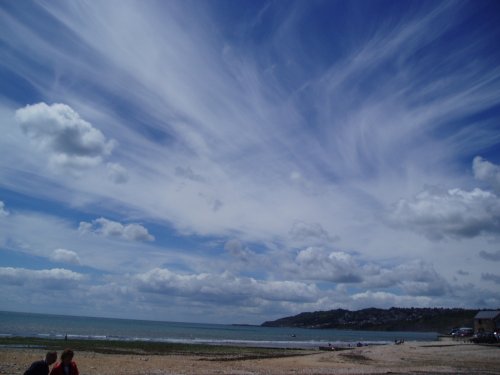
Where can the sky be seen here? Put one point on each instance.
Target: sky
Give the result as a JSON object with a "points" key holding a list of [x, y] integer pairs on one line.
{"points": [[240, 161]]}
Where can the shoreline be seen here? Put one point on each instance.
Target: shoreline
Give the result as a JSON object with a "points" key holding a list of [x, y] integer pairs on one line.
{"points": [[265, 344], [433, 357]]}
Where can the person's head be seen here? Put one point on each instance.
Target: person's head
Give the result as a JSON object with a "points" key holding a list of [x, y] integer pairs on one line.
{"points": [[67, 356], [50, 357]]}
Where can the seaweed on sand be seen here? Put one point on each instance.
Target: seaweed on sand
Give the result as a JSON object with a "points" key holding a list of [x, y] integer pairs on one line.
{"points": [[205, 352]]}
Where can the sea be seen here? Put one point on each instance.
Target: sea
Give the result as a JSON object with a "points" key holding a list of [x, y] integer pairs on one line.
{"points": [[92, 328]]}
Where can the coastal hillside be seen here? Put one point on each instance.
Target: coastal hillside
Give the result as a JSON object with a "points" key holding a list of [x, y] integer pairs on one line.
{"points": [[393, 319]]}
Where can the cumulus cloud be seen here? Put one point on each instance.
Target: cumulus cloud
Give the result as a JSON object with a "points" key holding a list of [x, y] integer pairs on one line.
{"points": [[3, 211], [451, 213], [117, 173], [57, 278], [494, 256], [316, 263], [486, 171], [109, 228], [69, 140], [65, 256], [223, 287]]}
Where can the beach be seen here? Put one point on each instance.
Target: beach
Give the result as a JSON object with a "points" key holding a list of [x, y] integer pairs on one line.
{"points": [[408, 358]]}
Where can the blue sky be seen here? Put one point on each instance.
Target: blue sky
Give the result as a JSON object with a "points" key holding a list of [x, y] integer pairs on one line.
{"points": [[239, 161]]}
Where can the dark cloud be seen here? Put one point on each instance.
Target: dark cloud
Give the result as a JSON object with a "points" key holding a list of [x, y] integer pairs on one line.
{"points": [[491, 277], [217, 205], [187, 173], [310, 234], [416, 278], [316, 263], [494, 256], [237, 250]]}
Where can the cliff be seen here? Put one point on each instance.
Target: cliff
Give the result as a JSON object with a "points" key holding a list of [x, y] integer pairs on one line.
{"points": [[394, 319]]}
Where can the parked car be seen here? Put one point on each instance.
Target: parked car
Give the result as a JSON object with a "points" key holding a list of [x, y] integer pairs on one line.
{"points": [[485, 338], [462, 332]]}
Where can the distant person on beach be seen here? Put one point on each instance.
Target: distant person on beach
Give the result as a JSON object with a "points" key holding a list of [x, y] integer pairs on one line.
{"points": [[42, 367], [66, 366]]}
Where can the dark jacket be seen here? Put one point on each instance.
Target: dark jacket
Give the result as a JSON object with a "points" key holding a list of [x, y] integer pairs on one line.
{"points": [[59, 369], [38, 368]]}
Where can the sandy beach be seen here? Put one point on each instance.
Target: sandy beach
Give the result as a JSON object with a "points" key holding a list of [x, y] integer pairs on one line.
{"points": [[408, 358]]}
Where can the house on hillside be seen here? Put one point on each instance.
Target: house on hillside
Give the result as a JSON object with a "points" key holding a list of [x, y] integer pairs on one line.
{"points": [[487, 321]]}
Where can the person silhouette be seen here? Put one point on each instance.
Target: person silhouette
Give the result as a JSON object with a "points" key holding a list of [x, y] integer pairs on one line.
{"points": [[42, 367], [66, 366]]}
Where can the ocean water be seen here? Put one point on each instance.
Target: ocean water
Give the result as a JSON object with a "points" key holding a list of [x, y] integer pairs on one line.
{"points": [[58, 326]]}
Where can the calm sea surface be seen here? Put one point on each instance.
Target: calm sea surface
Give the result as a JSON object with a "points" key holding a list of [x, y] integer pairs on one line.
{"points": [[57, 326]]}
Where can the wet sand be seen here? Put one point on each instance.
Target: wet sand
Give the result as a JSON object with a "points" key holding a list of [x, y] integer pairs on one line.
{"points": [[408, 358]]}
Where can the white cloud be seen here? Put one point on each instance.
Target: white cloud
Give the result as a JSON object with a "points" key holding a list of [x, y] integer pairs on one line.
{"points": [[453, 213], [39, 234], [109, 228], [486, 171], [223, 287], [69, 140], [65, 256], [117, 173], [3, 211], [57, 278]]}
